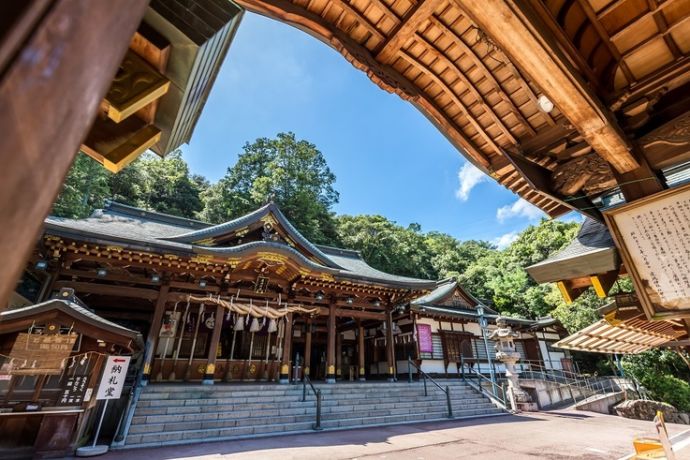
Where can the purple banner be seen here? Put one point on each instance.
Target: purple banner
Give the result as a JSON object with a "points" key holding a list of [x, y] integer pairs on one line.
{"points": [[424, 338]]}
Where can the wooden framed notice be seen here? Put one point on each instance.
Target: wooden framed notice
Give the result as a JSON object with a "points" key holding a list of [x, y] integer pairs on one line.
{"points": [[653, 237]]}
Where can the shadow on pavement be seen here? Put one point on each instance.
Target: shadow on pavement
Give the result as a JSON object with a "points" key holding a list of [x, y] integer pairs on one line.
{"points": [[359, 436]]}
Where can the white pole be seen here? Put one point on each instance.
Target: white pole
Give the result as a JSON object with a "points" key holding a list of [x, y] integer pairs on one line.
{"points": [[100, 422]]}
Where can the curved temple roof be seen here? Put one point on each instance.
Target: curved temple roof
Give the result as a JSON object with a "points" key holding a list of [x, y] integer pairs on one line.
{"points": [[146, 230]]}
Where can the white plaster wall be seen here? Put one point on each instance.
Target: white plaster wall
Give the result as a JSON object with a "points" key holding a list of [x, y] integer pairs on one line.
{"points": [[433, 323]]}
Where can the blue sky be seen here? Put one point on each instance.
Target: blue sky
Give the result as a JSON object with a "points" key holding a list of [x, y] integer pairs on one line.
{"points": [[387, 157]]}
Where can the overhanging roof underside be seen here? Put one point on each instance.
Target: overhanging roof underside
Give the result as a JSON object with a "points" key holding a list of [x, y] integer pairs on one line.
{"points": [[634, 336]]}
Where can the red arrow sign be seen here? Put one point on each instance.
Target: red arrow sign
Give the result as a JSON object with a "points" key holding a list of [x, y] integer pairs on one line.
{"points": [[116, 360]]}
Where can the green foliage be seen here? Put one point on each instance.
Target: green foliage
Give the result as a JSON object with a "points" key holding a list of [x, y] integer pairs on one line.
{"points": [[663, 373], [386, 245], [86, 188], [163, 185], [670, 389], [579, 314], [292, 173]]}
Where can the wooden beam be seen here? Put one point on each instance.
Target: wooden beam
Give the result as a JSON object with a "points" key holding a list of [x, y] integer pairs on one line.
{"points": [[359, 314], [479, 63], [360, 18], [419, 65], [478, 97], [419, 13], [48, 107], [514, 28], [603, 34], [109, 290]]}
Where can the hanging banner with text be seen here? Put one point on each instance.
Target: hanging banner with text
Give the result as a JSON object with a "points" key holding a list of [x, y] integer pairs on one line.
{"points": [[426, 345], [113, 378]]}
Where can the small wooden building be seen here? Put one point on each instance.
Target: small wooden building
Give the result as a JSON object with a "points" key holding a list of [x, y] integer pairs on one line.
{"points": [[52, 354]]}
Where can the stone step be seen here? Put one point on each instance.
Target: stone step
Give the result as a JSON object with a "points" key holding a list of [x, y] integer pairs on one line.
{"points": [[200, 435], [200, 409], [182, 387], [250, 417], [239, 432], [178, 414], [341, 392]]}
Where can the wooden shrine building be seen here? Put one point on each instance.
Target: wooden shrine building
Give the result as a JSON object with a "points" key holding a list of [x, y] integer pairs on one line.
{"points": [[51, 357], [252, 299], [568, 103]]}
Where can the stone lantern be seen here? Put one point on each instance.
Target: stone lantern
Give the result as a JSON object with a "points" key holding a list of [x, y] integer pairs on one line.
{"points": [[506, 353]]}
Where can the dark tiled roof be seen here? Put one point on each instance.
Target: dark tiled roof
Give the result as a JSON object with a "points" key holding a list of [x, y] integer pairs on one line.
{"points": [[248, 219], [591, 252], [74, 310], [144, 230]]}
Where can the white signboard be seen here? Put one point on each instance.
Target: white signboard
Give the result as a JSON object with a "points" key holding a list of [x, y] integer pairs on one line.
{"points": [[653, 235], [113, 377]]}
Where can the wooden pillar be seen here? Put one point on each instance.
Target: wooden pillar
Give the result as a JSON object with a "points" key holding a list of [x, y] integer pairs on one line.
{"points": [[287, 349], [213, 347], [330, 353], [338, 355], [154, 330], [49, 101], [360, 351], [307, 349], [390, 351]]}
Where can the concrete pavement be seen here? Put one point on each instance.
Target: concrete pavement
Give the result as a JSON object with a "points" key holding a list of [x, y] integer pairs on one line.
{"points": [[544, 435]]}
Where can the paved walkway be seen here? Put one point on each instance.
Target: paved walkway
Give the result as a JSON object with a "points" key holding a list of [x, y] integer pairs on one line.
{"points": [[549, 435]]}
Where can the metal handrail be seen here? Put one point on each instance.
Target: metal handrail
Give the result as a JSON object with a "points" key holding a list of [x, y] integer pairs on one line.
{"points": [[493, 394], [317, 392], [426, 376]]}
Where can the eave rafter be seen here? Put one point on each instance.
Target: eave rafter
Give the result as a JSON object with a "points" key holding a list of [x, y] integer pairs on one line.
{"points": [[482, 94]]}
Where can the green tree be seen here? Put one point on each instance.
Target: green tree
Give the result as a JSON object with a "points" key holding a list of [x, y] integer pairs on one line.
{"points": [[292, 173], [386, 245], [168, 186], [500, 276], [86, 187]]}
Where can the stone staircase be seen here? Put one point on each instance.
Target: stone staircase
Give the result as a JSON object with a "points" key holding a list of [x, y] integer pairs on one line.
{"points": [[180, 414]]}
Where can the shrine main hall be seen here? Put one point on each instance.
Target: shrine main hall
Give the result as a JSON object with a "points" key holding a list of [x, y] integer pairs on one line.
{"points": [[253, 300]]}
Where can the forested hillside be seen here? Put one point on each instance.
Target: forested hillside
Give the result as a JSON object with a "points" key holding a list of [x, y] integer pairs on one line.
{"points": [[294, 174]]}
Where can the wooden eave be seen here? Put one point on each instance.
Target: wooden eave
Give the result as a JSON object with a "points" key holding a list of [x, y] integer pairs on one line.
{"points": [[477, 68]]}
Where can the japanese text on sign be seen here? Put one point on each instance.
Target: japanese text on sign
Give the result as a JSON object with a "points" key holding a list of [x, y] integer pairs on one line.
{"points": [[113, 378]]}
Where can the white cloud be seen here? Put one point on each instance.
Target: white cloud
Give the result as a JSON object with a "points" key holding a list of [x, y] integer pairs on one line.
{"points": [[504, 241], [520, 208], [469, 176]]}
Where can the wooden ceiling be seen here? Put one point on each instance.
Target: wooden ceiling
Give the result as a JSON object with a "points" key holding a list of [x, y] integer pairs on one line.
{"points": [[476, 69]]}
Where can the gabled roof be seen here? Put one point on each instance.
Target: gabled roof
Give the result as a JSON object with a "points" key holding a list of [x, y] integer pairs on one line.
{"points": [[227, 228], [451, 295], [439, 303], [591, 252], [76, 311], [139, 229]]}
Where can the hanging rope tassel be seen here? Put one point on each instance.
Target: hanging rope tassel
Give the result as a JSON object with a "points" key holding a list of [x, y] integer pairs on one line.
{"points": [[255, 321]]}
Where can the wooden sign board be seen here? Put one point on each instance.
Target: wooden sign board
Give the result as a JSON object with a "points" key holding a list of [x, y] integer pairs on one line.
{"points": [[40, 354], [73, 390], [653, 237]]}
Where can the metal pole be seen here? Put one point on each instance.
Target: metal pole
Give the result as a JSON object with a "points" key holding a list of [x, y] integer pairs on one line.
{"points": [[425, 392], [317, 425], [450, 407], [488, 357], [409, 369], [100, 422]]}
